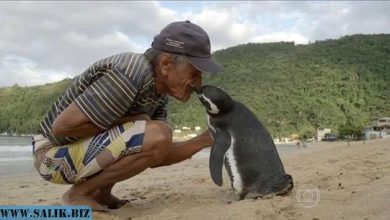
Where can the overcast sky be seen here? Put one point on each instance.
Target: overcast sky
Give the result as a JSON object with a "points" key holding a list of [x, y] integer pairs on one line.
{"points": [[43, 42]]}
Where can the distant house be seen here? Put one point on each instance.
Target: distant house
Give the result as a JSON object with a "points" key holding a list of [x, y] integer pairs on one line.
{"points": [[321, 132], [379, 128], [383, 125], [369, 133]]}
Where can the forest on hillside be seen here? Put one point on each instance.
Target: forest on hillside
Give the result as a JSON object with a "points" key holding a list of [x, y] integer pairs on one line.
{"points": [[341, 84]]}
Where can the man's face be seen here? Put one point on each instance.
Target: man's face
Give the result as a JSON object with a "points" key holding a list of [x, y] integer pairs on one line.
{"points": [[179, 79]]}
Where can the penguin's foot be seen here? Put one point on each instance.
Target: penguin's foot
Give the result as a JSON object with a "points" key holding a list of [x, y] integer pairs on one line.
{"points": [[287, 188], [268, 196]]}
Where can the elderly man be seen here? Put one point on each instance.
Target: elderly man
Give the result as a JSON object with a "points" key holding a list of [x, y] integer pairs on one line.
{"points": [[110, 124]]}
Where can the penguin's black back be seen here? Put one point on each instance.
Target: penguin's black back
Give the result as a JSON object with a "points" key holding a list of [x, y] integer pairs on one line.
{"points": [[255, 152]]}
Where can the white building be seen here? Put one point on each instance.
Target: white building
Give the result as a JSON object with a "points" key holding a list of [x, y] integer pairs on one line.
{"points": [[321, 133]]}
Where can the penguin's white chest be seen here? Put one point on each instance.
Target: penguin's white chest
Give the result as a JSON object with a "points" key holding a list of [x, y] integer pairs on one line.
{"points": [[209, 125], [236, 176]]}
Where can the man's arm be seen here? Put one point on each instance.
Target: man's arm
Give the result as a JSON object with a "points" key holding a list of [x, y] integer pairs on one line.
{"points": [[72, 122], [186, 149], [136, 117], [98, 107]]}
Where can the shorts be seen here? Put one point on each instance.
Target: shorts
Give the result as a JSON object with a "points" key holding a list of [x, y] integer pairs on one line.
{"points": [[76, 162]]}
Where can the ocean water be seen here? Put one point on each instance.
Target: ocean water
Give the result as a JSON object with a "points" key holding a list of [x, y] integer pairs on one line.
{"points": [[16, 155]]}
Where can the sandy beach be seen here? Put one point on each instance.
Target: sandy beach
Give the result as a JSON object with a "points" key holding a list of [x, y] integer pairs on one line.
{"points": [[332, 181]]}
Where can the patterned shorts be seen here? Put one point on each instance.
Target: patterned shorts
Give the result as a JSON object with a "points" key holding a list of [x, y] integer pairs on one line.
{"points": [[76, 162]]}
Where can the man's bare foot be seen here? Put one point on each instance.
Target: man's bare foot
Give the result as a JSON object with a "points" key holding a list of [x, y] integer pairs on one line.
{"points": [[68, 199], [111, 201], [116, 203]]}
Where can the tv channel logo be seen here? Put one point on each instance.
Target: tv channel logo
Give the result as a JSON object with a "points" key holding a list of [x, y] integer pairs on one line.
{"points": [[308, 196]]}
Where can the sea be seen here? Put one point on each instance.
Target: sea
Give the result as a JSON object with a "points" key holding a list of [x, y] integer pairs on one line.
{"points": [[16, 155]]}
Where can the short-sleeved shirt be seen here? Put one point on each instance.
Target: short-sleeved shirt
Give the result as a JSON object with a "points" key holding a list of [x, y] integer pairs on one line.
{"points": [[117, 86]]}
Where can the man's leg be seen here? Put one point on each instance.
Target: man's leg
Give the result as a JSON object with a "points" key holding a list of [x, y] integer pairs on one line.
{"points": [[156, 145], [177, 153]]}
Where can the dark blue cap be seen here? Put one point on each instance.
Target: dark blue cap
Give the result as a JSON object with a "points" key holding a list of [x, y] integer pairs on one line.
{"points": [[189, 40]]}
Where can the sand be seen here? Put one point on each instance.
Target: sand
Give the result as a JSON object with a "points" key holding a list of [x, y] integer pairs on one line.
{"points": [[332, 181]]}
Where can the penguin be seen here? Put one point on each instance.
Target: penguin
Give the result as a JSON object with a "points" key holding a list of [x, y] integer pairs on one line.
{"points": [[244, 146]]}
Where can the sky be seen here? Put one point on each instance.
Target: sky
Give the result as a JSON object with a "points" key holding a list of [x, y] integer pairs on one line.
{"points": [[43, 42]]}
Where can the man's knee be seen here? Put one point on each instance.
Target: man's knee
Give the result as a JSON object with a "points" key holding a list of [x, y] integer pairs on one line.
{"points": [[157, 140]]}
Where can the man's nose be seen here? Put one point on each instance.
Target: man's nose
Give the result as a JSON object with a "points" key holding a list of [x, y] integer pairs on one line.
{"points": [[195, 88], [197, 80]]}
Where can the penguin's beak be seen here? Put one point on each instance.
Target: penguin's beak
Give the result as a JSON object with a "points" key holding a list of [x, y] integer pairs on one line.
{"points": [[195, 89]]}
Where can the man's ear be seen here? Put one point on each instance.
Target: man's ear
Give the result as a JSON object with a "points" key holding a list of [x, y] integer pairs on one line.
{"points": [[165, 63]]}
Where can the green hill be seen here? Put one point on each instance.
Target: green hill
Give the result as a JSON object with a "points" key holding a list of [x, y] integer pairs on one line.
{"points": [[291, 88], [22, 108]]}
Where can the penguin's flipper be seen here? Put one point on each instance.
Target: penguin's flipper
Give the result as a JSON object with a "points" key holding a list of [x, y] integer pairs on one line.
{"points": [[217, 155]]}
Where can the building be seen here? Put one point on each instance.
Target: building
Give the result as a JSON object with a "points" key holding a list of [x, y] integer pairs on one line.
{"points": [[379, 128], [369, 133], [321, 132], [382, 125]]}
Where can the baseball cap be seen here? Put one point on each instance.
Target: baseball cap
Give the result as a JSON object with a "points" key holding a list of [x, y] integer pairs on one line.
{"points": [[189, 40]]}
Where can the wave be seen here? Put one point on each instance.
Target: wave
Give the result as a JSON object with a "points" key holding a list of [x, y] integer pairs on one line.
{"points": [[17, 148], [7, 159]]}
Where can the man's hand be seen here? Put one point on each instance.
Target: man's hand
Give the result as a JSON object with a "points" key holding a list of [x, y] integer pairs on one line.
{"points": [[206, 138]]}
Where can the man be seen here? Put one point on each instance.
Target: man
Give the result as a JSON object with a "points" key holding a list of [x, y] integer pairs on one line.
{"points": [[110, 125]]}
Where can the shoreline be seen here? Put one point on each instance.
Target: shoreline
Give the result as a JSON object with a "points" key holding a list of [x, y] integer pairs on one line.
{"points": [[352, 181], [25, 167], [20, 161]]}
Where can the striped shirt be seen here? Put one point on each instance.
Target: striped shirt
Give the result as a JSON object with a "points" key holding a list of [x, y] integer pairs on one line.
{"points": [[117, 86]]}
